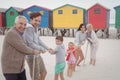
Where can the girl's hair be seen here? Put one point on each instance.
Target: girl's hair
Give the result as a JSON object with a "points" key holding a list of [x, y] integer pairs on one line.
{"points": [[80, 26], [34, 15], [59, 38], [71, 43]]}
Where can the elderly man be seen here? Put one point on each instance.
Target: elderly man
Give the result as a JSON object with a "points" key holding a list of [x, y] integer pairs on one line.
{"points": [[14, 51]]}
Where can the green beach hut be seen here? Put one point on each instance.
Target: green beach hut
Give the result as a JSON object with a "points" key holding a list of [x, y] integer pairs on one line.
{"points": [[117, 17], [11, 13]]}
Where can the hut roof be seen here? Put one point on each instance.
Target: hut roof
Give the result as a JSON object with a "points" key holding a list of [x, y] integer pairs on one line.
{"points": [[16, 8], [117, 7], [99, 5], [68, 5], [36, 6], [2, 9]]}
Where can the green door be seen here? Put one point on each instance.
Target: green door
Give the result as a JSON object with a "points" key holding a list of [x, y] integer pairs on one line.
{"points": [[117, 19], [10, 17]]}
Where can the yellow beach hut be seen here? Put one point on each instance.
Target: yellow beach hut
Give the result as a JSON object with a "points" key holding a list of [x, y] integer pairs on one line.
{"points": [[68, 16]]}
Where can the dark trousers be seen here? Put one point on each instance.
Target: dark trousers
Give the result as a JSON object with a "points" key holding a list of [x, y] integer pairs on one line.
{"points": [[15, 76]]}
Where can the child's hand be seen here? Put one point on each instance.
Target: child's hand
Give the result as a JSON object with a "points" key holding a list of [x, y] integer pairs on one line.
{"points": [[76, 47], [43, 51], [51, 51]]}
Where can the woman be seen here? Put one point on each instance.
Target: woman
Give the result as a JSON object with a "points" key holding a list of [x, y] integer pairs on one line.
{"points": [[79, 41], [32, 40], [93, 40]]}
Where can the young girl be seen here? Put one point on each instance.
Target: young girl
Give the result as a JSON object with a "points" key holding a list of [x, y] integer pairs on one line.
{"points": [[92, 38], [71, 59]]}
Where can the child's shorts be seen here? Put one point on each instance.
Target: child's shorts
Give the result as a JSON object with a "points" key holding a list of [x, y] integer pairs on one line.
{"points": [[59, 67], [71, 61]]}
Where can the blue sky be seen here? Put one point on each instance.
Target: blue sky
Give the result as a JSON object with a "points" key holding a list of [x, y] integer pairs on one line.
{"points": [[52, 4]]}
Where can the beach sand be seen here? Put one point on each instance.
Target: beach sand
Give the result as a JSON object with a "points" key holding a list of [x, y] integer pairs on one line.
{"points": [[107, 65]]}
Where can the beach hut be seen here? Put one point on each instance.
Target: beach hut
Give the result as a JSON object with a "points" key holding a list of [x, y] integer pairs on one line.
{"points": [[11, 14], [117, 17], [99, 16], [68, 16], [2, 17], [46, 15]]}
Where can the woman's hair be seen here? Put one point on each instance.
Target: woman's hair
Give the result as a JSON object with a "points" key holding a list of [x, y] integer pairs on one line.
{"points": [[89, 25], [59, 38], [80, 26], [34, 15]]}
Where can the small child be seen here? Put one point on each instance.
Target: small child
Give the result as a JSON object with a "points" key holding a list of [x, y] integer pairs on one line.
{"points": [[71, 59], [60, 58]]}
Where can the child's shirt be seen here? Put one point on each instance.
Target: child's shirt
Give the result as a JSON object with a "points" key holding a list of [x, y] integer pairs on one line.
{"points": [[60, 53], [70, 52]]}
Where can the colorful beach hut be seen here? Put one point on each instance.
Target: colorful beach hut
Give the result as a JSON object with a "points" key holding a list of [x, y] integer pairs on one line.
{"points": [[117, 16], [99, 16], [46, 13], [11, 14], [68, 16], [2, 17]]}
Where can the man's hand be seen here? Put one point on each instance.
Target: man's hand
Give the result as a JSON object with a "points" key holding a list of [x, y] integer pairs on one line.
{"points": [[36, 51], [82, 43], [88, 39]]}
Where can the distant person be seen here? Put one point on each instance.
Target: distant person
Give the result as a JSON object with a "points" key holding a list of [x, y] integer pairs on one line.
{"points": [[71, 59], [60, 53], [93, 40], [14, 51], [6, 30], [80, 38], [33, 40]]}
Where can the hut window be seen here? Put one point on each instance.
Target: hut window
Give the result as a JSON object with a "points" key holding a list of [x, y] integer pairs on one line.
{"points": [[97, 11], [11, 13], [60, 11], [74, 11]]}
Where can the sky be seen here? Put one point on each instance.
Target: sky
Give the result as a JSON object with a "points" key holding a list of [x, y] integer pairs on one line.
{"points": [[52, 4]]}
